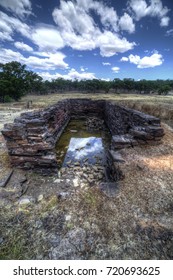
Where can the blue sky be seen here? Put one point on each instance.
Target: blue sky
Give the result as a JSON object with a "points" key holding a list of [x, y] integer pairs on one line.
{"points": [[86, 39]]}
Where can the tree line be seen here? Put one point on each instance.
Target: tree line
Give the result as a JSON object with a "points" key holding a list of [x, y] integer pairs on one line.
{"points": [[16, 81]]}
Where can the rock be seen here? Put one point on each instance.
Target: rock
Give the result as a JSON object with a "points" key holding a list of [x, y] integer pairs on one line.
{"points": [[38, 224], [68, 217], [54, 239], [24, 201], [122, 141], [76, 182], [110, 189], [116, 156], [63, 195], [95, 168], [71, 246], [57, 181], [40, 198]]}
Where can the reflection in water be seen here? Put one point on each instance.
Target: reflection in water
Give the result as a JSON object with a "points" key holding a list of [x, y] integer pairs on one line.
{"points": [[80, 146], [84, 150]]}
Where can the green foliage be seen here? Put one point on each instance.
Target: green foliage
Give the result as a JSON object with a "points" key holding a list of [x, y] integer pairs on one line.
{"points": [[164, 89], [7, 99], [15, 81]]}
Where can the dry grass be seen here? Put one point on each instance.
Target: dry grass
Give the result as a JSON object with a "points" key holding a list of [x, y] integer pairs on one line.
{"points": [[159, 106]]}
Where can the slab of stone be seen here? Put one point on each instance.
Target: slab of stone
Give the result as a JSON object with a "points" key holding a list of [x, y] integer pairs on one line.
{"points": [[110, 189], [122, 141], [116, 156]]}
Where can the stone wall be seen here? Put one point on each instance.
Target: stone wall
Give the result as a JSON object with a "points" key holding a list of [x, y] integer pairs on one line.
{"points": [[86, 107], [31, 139]]}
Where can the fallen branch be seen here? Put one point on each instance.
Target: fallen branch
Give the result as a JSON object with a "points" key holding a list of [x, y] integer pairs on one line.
{"points": [[3, 184]]}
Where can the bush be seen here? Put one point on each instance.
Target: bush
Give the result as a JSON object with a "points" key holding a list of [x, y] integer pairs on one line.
{"points": [[7, 99]]}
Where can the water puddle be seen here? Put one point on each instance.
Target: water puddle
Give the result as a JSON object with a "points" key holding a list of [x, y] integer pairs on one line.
{"points": [[83, 143]]}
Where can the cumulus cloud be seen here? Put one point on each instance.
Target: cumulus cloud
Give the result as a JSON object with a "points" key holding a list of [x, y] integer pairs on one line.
{"points": [[72, 75], [19, 8], [79, 30], [164, 21], [115, 69], [76, 28], [23, 47], [124, 58], [110, 44], [126, 23], [108, 16], [154, 60], [47, 38], [154, 9], [47, 61]]}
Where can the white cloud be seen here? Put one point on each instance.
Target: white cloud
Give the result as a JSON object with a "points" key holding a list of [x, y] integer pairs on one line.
{"points": [[126, 23], [72, 75], [164, 21], [169, 32], [79, 30], [47, 38], [83, 69], [124, 58], [23, 47], [115, 69], [110, 44], [10, 25], [76, 28], [5, 36], [7, 55], [154, 9], [106, 63], [108, 16], [19, 7], [47, 61], [154, 60]]}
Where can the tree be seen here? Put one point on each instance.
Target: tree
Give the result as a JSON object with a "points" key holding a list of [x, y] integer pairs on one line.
{"points": [[164, 89], [15, 80], [117, 84]]}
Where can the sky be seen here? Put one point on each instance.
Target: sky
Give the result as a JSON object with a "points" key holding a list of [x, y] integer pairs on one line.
{"points": [[88, 39]]}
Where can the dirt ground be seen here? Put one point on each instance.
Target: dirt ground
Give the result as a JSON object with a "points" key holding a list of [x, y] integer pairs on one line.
{"points": [[41, 218]]}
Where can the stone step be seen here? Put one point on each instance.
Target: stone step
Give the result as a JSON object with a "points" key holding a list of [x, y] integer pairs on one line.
{"points": [[123, 141], [147, 133], [116, 156]]}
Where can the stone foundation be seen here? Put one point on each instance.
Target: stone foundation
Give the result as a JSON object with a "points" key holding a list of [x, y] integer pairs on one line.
{"points": [[31, 139]]}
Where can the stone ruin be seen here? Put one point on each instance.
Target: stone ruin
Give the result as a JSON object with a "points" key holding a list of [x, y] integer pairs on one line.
{"points": [[32, 138]]}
